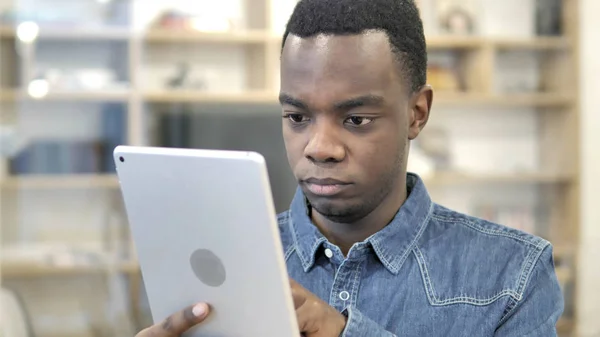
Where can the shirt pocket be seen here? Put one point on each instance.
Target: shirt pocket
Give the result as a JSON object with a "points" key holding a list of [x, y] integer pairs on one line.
{"points": [[457, 279]]}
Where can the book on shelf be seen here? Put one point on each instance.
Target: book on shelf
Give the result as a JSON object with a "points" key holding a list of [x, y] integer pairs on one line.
{"points": [[66, 156], [548, 17], [57, 157], [114, 133], [175, 127]]}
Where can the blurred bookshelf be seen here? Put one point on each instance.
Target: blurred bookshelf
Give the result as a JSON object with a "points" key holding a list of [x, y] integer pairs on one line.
{"points": [[146, 74]]}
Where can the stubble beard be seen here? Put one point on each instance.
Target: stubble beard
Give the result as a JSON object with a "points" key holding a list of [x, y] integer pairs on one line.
{"points": [[353, 211]]}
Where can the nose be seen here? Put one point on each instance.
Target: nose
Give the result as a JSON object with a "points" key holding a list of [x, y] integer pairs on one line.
{"points": [[324, 145]]}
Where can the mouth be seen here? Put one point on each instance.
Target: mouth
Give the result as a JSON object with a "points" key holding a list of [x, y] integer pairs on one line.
{"points": [[325, 187]]}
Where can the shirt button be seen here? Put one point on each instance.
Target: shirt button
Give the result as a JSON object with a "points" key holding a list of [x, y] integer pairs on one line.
{"points": [[328, 253], [344, 295]]}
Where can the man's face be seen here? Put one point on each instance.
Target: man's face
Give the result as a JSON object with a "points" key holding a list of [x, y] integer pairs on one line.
{"points": [[347, 121]]}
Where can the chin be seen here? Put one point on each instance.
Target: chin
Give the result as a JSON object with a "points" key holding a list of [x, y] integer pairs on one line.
{"points": [[337, 210]]}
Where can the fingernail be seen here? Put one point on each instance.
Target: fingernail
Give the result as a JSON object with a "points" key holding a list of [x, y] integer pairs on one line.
{"points": [[200, 310]]}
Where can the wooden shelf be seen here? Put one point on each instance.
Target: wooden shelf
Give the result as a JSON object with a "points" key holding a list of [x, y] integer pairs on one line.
{"points": [[13, 95], [564, 275], [266, 97], [85, 33], [58, 182], [565, 326], [508, 100], [453, 42], [537, 43], [16, 270], [80, 33], [131, 267], [540, 43], [173, 35], [458, 178], [440, 99], [263, 36], [203, 97], [7, 31], [8, 95]]}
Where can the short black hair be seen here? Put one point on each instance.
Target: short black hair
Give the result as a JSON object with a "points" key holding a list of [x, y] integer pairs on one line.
{"points": [[399, 19]]}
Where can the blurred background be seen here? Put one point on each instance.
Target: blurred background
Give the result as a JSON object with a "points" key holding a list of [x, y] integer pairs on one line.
{"points": [[512, 138]]}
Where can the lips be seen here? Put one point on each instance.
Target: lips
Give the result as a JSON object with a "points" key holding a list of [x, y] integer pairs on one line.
{"points": [[325, 187]]}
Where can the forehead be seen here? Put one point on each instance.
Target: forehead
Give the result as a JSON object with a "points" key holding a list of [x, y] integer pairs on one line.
{"points": [[336, 66]]}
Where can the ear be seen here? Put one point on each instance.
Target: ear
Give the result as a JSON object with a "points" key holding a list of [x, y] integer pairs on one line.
{"points": [[420, 108]]}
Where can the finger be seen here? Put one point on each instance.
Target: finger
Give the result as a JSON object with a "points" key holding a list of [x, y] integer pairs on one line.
{"points": [[305, 315], [178, 323], [298, 294]]}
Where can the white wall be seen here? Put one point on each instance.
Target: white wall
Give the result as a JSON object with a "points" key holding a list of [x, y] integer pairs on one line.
{"points": [[589, 271]]}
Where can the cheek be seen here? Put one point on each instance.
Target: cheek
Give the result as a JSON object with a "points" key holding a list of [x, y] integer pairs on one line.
{"points": [[378, 157], [374, 160], [293, 147]]}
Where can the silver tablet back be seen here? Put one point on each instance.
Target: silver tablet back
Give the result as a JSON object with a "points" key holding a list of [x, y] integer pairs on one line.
{"points": [[205, 230]]}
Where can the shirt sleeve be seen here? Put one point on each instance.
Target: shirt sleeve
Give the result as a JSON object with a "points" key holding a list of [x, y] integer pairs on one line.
{"points": [[542, 304], [360, 326]]}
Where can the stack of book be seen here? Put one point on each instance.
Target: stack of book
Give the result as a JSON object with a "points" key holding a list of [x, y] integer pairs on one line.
{"points": [[74, 156]]}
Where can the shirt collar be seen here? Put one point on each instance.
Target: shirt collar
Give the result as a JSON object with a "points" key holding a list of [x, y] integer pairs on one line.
{"points": [[392, 244]]}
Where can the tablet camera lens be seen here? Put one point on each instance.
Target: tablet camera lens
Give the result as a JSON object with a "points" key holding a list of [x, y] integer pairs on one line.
{"points": [[122, 159]]}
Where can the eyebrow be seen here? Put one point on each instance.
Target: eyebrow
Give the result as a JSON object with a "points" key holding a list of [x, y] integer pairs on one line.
{"points": [[289, 100], [365, 100]]}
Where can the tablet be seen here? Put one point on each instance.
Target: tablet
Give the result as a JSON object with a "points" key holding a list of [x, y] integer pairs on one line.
{"points": [[205, 230]]}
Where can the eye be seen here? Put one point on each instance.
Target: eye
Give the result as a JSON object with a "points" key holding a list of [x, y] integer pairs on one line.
{"points": [[359, 121], [296, 118]]}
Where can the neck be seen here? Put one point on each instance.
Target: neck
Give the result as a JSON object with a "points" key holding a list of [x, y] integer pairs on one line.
{"points": [[344, 235]]}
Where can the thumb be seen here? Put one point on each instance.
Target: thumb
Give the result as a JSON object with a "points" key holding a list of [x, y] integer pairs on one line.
{"points": [[298, 294]]}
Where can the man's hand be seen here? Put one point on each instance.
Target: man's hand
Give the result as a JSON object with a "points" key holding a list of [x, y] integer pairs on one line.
{"points": [[315, 317], [178, 323]]}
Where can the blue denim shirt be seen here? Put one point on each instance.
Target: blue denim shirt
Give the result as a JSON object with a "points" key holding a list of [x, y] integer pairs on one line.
{"points": [[430, 272]]}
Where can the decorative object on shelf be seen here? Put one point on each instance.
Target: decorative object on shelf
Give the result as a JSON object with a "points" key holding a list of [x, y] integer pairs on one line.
{"points": [[519, 74], [456, 17], [457, 22], [181, 76], [548, 17], [182, 79], [174, 19], [80, 80], [170, 19]]}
